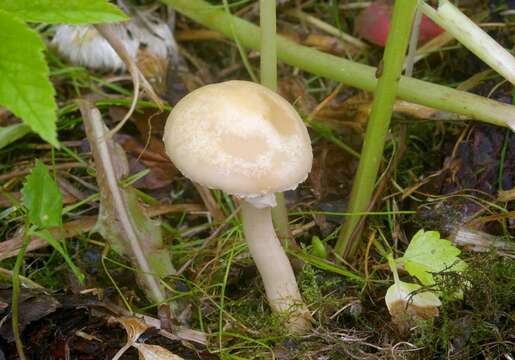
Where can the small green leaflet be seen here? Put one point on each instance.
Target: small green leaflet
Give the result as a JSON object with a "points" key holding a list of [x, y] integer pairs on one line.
{"points": [[11, 133], [24, 85], [427, 254], [318, 248], [42, 198], [47, 235], [64, 11]]}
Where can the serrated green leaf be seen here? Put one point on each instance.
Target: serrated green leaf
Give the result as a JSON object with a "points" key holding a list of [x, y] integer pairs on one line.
{"points": [[427, 254], [24, 85], [64, 11], [47, 235], [42, 198]]}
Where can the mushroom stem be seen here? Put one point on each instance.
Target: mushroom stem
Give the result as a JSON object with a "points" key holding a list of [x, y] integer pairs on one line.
{"points": [[274, 267]]}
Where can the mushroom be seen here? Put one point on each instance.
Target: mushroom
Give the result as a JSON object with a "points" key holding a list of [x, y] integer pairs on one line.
{"points": [[248, 141]]}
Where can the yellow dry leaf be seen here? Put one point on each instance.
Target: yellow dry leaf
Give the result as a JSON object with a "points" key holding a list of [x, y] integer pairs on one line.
{"points": [[154, 352], [134, 328]]}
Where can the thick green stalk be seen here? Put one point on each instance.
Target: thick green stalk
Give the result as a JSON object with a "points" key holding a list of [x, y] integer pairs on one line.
{"points": [[268, 64], [349, 72], [268, 44], [280, 219], [378, 123], [267, 23]]}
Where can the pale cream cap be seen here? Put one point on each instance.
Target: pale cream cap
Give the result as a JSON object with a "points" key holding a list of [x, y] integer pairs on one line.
{"points": [[240, 137]]}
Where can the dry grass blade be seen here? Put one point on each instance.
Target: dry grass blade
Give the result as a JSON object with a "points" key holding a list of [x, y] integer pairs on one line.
{"points": [[136, 75], [507, 195]]}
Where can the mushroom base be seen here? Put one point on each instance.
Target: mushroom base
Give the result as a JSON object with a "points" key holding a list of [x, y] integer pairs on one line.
{"points": [[274, 267]]}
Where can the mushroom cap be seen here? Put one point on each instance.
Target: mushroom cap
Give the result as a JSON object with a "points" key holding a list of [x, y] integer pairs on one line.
{"points": [[240, 137]]}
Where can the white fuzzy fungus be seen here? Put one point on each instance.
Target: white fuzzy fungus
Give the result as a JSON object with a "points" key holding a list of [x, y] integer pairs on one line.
{"points": [[83, 45]]}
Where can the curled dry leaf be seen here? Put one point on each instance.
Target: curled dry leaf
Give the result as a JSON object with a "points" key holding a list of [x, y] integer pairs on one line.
{"points": [[134, 328], [155, 352], [404, 303], [132, 325]]}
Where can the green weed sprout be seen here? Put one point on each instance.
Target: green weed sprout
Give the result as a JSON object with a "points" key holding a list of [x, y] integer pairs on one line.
{"points": [[425, 256], [378, 124]]}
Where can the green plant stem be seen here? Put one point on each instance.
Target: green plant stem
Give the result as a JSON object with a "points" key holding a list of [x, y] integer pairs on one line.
{"points": [[349, 72], [269, 79], [222, 300], [241, 50], [268, 44], [280, 220], [393, 267], [378, 123], [16, 294]]}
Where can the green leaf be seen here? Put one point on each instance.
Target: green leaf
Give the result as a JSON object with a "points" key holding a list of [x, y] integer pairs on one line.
{"points": [[427, 254], [11, 133], [42, 198], [318, 248], [64, 11], [47, 235], [24, 85]]}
